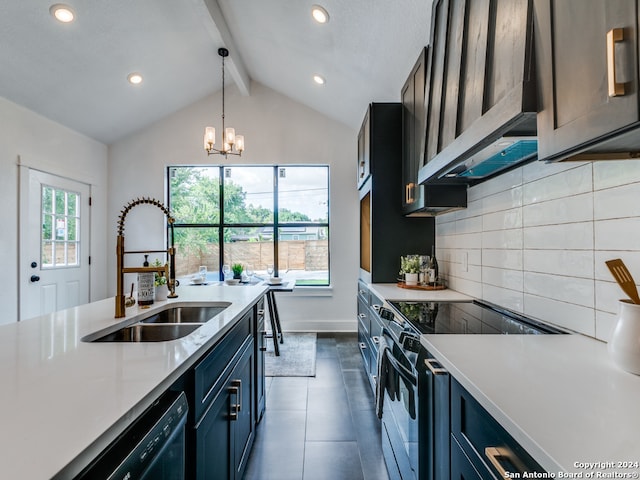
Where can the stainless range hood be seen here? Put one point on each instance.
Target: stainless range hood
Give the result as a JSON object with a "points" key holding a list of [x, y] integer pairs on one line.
{"points": [[504, 153], [500, 149]]}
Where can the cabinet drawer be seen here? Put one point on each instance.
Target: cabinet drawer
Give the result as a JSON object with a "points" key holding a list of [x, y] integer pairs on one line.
{"points": [[483, 440], [209, 372], [363, 316], [363, 292]]}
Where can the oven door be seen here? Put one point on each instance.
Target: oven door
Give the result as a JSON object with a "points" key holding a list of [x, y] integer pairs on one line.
{"points": [[400, 416]]}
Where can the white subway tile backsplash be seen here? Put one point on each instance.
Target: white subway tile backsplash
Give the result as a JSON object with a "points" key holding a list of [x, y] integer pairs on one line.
{"points": [[613, 173], [577, 263], [570, 236], [608, 296], [469, 225], [536, 238], [605, 323], [537, 170], [511, 299], [502, 239], [511, 198], [568, 182], [616, 202], [621, 234], [501, 183], [630, 259], [567, 315], [503, 220], [558, 287], [511, 259], [502, 277], [578, 208]]}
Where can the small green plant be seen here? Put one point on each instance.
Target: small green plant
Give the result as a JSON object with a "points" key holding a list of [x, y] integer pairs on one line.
{"points": [[409, 264], [159, 278], [236, 268]]}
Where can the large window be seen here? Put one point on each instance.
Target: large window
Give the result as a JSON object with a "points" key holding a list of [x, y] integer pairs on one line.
{"points": [[259, 216]]}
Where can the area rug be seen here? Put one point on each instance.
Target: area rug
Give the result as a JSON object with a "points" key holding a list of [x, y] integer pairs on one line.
{"points": [[297, 356]]}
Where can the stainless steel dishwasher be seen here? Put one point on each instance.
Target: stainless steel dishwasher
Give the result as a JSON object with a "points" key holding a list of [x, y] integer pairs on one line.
{"points": [[153, 447]]}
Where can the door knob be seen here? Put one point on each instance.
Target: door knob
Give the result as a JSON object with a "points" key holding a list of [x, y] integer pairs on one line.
{"points": [[34, 278]]}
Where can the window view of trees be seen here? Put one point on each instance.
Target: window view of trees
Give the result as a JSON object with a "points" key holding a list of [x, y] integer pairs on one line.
{"points": [[227, 215]]}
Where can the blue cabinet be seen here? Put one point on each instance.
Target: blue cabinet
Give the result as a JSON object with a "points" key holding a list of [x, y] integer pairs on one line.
{"points": [[489, 448]]}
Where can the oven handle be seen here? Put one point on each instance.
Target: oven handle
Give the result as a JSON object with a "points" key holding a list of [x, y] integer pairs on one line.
{"points": [[403, 371]]}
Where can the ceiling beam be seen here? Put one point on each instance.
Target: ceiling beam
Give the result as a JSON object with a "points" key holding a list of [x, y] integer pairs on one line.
{"points": [[218, 29]]}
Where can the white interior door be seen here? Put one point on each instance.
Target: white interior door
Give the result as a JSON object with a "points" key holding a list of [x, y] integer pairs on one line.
{"points": [[54, 243]]}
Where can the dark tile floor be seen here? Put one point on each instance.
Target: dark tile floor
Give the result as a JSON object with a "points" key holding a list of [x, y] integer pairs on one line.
{"points": [[322, 427]]}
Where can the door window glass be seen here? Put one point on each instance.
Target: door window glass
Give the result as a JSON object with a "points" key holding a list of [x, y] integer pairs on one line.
{"points": [[59, 238]]}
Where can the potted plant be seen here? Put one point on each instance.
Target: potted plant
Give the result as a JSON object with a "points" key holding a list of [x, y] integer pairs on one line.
{"points": [[410, 268], [160, 282], [236, 268]]}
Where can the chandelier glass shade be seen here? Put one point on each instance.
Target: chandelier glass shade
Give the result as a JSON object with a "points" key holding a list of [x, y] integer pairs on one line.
{"points": [[232, 144]]}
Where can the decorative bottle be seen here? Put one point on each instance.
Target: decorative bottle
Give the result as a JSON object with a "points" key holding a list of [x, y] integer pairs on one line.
{"points": [[433, 266], [146, 286]]}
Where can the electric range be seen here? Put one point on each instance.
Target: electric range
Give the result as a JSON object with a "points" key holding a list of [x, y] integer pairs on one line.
{"points": [[411, 384], [474, 317]]}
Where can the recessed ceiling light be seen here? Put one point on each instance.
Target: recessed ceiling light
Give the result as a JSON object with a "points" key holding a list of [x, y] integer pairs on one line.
{"points": [[319, 14], [134, 78], [61, 12], [319, 79]]}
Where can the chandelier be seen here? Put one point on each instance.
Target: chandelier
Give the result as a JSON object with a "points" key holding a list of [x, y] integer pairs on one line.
{"points": [[232, 144]]}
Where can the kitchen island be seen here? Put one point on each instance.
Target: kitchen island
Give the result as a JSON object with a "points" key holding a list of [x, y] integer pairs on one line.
{"points": [[64, 400]]}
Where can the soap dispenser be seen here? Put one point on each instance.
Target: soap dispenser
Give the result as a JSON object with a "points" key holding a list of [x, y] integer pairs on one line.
{"points": [[146, 286]]}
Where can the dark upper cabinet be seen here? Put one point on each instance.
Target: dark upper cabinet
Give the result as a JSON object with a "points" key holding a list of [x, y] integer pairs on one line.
{"points": [[385, 234], [413, 138], [481, 93], [364, 148], [587, 63], [420, 200]]}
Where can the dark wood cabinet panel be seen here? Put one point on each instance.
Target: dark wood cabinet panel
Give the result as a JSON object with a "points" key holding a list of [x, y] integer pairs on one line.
{"points": [[413, 134], [364, 149], [385, 234], [473, 64], [455, 33], [436, 78], [577, 111]]}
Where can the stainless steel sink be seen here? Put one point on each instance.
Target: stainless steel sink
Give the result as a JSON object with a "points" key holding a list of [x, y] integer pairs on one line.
{"points": [[169, 324], [186, 314], [149, 333]]}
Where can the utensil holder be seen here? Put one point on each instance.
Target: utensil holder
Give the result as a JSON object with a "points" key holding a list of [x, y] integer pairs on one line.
{"points": [[624, 346]]}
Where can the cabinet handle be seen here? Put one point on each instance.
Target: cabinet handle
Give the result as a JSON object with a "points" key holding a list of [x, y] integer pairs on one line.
{"points": [[362, 346], [263, 349], [376, 307], [233, 414], [261, 312], [376, 340], [237, 384], [614, 36], [408, 193], [361, 315], [494, 454], [435, 370]]}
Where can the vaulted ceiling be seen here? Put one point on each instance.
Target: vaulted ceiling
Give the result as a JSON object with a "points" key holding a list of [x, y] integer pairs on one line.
{"points": [[76, 73]]}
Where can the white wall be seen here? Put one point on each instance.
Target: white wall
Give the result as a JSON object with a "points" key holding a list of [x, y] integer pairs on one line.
{"points": [[45, 145], [535, 240], [277, 130]]}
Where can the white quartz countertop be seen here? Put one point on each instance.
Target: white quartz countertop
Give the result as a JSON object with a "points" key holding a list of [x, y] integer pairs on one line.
{"points": [[559, 396], [62, 398], [391, 291]]}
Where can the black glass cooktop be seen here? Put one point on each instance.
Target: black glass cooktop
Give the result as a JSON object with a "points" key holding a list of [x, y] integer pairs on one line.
{"points": [[467, 317]]}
